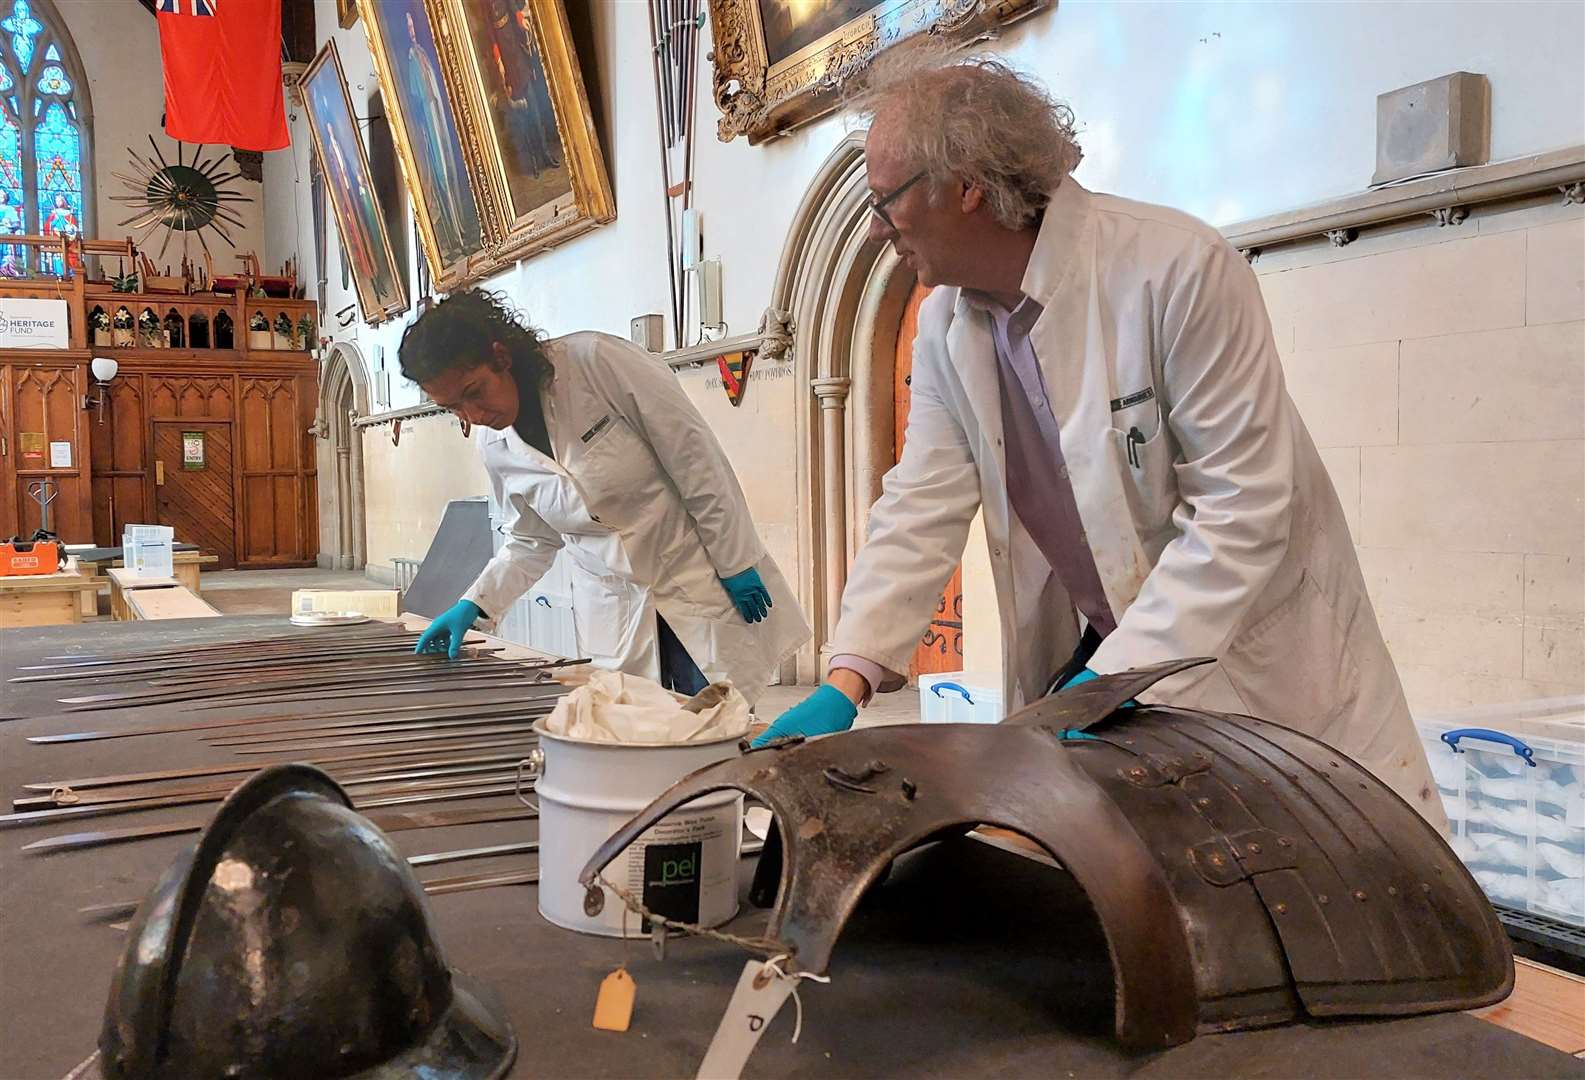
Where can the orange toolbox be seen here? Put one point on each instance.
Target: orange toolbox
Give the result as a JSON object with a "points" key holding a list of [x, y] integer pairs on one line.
{"points": [[20, 557]]}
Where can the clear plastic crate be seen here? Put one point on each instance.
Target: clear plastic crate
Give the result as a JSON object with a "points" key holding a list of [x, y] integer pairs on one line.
{"points": [[1516, 804], [960, 697], [148, 550]]}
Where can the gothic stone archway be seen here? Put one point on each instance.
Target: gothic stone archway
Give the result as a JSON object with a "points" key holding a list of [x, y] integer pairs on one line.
{"points": [[845, 294], [343, 397]]}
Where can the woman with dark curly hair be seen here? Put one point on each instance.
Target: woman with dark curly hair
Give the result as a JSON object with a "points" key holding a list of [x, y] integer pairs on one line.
{"points": [[594, 449]]}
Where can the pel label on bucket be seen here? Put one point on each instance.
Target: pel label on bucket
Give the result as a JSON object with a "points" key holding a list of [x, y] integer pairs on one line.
{"points": [[671, 881], [685, 867]]}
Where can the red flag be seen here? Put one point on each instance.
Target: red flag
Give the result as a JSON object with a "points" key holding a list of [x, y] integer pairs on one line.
{"points": [[223, 72]]}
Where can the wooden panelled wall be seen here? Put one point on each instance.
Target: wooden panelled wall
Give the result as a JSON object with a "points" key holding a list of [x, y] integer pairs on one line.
{"points": [[265, 416], [260, 415], [43, 401]]}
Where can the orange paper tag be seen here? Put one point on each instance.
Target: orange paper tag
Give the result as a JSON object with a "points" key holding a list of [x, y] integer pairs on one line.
{"points": [[613, 1006]]}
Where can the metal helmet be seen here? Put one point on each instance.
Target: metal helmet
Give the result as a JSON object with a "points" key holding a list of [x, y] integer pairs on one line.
{"points": [[293, 940]]}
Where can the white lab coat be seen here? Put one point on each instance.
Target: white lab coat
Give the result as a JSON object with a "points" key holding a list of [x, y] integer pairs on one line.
{"points": [[646, 506], [1226, 539]]}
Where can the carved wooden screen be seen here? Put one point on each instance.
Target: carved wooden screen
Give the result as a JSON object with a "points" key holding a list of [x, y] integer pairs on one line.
{"points": [[190, 397]]}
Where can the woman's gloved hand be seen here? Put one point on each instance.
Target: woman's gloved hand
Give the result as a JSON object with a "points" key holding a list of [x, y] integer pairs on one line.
{"points": [[823, 712], [748, 594], [445, 634]]}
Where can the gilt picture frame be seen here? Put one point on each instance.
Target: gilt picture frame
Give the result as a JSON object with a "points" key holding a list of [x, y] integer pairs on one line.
{"points": [[422, 112], [525, 110], [380, 285], [779, 64]]}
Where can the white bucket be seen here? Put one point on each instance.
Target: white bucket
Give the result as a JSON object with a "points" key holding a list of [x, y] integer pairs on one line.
{"points": [[684, 867]]}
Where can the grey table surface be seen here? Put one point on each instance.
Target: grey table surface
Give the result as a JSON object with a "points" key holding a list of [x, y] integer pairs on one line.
{"points": [[968, 961]]}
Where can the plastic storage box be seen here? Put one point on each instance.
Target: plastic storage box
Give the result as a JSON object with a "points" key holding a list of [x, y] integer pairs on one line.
{"points": [[960, 697], [1516, 801], [550, 623], [147, 550]]}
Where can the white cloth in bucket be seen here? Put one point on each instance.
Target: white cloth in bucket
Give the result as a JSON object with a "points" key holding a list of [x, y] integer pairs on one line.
{"points": [[615, 707]]}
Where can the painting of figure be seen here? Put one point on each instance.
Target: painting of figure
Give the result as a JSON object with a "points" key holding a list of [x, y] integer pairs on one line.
{"points": [[350, 189], [777, 62], [508, 55], [425, 130], [515, 69], [791, 25]]}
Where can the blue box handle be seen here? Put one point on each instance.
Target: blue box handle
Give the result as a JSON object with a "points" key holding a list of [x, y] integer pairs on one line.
{"points": [[940, 686], [1519, 745]]}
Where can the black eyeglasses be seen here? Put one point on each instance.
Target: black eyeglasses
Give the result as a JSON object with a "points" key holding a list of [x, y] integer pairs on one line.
{"points": [[878, 203]]}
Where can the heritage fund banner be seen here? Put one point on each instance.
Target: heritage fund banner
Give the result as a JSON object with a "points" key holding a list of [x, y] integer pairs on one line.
{"points": [[33, 324], [222, 61]]}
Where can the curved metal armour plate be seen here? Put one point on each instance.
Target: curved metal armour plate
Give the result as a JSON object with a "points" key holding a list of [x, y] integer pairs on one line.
{"points": [[293, 940], [1243, 874]]}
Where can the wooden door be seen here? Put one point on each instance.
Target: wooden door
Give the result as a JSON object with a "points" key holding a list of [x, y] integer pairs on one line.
{"points": [[278, 500], [941, 648], [47, 442], [120, 459], [9, 525], [193, 485]]}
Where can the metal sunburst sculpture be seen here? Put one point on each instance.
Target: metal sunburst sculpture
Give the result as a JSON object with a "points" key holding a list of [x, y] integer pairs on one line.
{"points": [[185, 198]]}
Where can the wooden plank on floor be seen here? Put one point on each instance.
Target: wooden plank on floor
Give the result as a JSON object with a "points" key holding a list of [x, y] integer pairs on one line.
{"points": [[126, 579], [1547, 1005], [172, 602]]}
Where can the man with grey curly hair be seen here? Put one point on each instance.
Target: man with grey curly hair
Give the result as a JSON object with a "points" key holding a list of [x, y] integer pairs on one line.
{"points": [[1099, 377]]}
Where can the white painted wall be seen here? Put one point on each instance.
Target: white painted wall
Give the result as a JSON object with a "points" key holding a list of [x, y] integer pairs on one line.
{"points": [[119, 44], [1441, 373], [1227, 110]]}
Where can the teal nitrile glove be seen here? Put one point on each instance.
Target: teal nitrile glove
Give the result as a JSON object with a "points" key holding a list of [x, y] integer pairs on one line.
{"points": [[749, 593], [445, 634], [1083, 677], [823, 712]]}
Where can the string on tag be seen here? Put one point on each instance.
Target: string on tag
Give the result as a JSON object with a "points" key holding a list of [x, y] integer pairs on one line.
{"points": [[613, 1004], [775, 965], [624, 936], [765, 946]]}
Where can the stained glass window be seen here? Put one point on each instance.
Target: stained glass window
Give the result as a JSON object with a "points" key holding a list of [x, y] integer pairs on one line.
{"points": [[24, 32], [54, 81], [41, 132], [11, 196], [57, 150]]}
